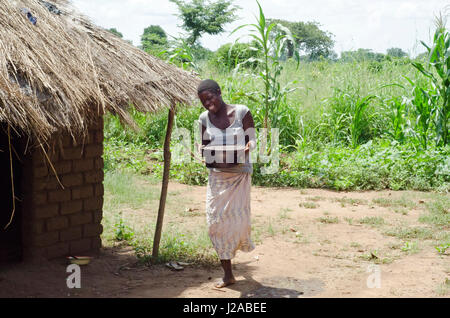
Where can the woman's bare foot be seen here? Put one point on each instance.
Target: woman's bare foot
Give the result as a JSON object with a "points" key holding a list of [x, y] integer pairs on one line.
{"points": [[225, 282]]}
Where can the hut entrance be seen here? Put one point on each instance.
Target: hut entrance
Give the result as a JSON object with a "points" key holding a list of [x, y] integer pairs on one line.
{"points": [[11, 237]]}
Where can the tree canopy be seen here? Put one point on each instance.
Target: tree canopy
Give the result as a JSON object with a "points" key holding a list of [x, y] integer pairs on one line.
{"points": [[309, 38], [396, 52], [153, 39], [361, 55], [115, 32], [205, 16]]}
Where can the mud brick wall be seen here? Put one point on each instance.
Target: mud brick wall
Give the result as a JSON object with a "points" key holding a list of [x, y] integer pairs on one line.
{"points": [[65, 221]]}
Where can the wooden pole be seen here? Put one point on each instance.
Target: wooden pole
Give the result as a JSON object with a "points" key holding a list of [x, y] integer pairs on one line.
{"points": [[165, 182]]}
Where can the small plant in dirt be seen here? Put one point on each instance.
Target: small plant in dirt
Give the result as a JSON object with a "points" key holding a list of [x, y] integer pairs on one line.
{"points": [[349, 220], [344, 201], [439, 212], [410, 247], [374, 256], [123, 232], [309, 205], [400, 210], [328, 219], [394, 246], [444, 288], [284, 213], [411, 233], [271, 229], [402, 202], [442, 248], [355, 245], [372, 220], [316, 198]]}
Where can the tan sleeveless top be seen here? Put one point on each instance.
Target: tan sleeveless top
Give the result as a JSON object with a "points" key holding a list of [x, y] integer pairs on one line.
{"points": [[221, 136]]}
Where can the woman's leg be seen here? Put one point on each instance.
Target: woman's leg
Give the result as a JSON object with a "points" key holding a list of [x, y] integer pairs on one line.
{"points": [[228, 278]]}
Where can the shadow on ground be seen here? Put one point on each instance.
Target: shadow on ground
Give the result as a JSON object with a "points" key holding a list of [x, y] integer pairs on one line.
{"points": [[115, 272]]}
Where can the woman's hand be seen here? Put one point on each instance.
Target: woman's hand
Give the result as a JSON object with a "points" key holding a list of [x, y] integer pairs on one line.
{"points": [[250, 146]]}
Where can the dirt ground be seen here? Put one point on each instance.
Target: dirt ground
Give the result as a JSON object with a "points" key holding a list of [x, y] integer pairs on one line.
{"points": [[311, 243]]}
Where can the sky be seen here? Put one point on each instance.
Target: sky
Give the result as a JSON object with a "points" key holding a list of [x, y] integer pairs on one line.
{"points": [[369, 24]]}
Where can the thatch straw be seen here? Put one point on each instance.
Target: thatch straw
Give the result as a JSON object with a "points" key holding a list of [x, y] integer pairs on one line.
{"points": [[65, 71]]}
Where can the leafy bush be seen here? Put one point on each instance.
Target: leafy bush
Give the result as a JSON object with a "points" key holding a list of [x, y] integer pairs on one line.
{"points": [[230, 55]]}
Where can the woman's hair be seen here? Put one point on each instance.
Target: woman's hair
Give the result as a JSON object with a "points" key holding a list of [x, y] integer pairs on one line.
{"points": [[209, 85]]}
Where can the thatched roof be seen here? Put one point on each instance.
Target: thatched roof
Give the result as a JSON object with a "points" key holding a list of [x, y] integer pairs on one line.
{"points": [[64, 71]]}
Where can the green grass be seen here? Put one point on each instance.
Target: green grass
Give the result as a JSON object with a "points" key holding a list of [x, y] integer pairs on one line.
{"points": [[404, 202], [411, 233], [127, 191], [328, 220], [284, 213], [187, 246], [319, 147], [309, 205], [410, 247], [344, 201], [375, 257], [442, 248], [349, 220], [439, 212], [355, 245], [374, 220], [122, 188], [270, 228], [444, 288], [316, 198]]}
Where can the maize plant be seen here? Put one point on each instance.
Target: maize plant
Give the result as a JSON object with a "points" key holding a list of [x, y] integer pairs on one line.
{"points": [[439, 59]]}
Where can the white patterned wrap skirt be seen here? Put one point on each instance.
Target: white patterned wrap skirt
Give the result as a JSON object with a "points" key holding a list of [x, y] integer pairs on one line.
{"points": [[228, 212]]}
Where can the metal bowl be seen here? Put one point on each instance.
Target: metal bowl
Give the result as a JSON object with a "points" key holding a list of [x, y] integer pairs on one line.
{"points": [[79, 260]]}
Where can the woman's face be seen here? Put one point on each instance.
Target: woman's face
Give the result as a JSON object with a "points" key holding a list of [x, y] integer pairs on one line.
{"points": [[212, 101]]}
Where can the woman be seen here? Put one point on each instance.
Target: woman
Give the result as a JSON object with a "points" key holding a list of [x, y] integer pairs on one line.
{"points": [[228, 190]]}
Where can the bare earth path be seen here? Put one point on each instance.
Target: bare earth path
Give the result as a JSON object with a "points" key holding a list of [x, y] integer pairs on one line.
{"points": [[310, 243]]}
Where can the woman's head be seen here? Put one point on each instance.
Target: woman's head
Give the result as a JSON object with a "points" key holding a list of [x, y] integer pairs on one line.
{"points": [[210, 95]]}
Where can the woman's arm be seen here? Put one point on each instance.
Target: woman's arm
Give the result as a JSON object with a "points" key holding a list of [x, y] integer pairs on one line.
{"points": [[249, 130], [205, 142]]}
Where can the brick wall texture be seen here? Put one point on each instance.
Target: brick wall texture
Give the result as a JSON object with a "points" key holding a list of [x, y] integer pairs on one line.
{"points": [[63, 217]]}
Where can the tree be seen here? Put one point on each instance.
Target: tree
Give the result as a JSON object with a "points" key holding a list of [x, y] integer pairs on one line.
{"points": [[396, 52], [118, 34], [229, 55], [154, 39], [309, 38], [115, 32], [361, 55], [205, 16]]}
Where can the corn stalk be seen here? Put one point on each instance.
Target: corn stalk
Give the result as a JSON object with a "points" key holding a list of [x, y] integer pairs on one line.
{"points": [[439, 59], [271, 46]]}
